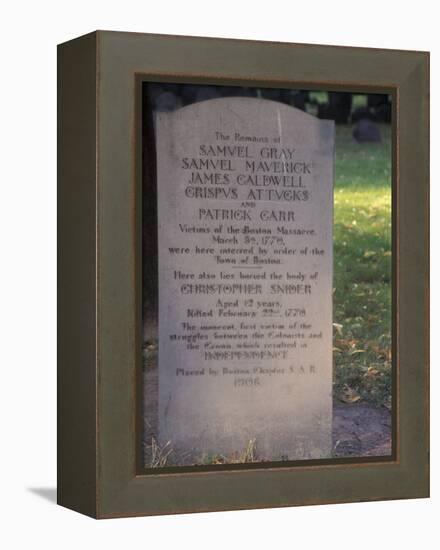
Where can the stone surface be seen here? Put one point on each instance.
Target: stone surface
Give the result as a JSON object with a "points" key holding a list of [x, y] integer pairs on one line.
{"points": [[359, 429], [245, 206], [367, 131]]}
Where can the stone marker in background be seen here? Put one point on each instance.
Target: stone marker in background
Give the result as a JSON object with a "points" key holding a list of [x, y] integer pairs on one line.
{"points": [[245, 208]]}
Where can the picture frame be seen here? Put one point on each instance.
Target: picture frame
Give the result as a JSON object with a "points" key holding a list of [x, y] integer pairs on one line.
{"points": [[99, 311]]}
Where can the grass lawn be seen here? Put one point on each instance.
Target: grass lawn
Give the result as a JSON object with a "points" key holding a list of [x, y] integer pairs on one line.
{"points": [[362, 268]]}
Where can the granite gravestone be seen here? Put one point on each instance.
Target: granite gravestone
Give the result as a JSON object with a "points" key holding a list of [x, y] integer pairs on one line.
{"points": [[245, 208]]}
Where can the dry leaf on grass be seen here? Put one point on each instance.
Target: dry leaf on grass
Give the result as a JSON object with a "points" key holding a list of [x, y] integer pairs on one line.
{"points": [[349, 395]]}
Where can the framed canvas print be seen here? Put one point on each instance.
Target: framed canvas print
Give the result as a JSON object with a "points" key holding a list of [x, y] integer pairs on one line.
{"points": [[243, 274]]}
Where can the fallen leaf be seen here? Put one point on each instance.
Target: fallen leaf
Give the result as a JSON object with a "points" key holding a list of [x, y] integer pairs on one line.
{"points": [[371, 372], [349, 395]]}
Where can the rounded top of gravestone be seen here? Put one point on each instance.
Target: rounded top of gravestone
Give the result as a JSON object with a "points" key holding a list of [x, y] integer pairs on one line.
{"points": [[251, 119], [251, 104]]}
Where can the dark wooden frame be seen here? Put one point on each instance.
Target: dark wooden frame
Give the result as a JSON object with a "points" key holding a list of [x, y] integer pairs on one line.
{"points": [[99, 306]]}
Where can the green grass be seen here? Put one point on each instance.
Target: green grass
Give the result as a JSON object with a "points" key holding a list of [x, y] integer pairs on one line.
{"points": [[320, 97], [358, 100], [362, 267]]}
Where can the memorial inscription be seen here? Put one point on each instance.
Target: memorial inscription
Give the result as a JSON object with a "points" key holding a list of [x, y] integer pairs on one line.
{"points": [[245, 206]]}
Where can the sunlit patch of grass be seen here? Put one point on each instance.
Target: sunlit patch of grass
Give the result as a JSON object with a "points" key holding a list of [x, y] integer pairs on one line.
{"points": [[362, 266]]}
